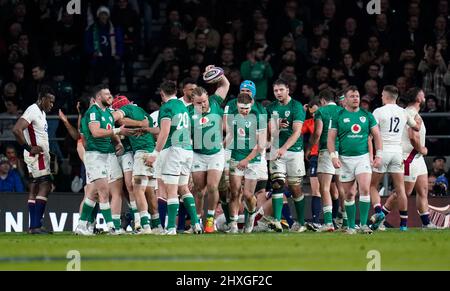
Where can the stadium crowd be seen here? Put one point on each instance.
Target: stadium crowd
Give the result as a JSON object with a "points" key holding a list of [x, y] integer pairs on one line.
{"points": [[313, 45]]}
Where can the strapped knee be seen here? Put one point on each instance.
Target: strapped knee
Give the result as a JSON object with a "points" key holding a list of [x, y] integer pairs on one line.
{"points": [[224, 182], [295, 181], [278, 180], [140, 181]]}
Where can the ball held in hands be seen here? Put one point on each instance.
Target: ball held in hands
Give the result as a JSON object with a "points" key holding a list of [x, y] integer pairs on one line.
{"points": [[213, 75]]}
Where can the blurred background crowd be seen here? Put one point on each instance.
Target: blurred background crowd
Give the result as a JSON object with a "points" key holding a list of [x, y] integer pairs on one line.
{"points": [[134, 45]]}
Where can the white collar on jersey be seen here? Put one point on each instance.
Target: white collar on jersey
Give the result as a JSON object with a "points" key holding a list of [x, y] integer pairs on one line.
{"points": [[331, 103]]}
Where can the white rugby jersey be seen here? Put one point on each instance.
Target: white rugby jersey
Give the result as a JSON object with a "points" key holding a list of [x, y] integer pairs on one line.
{"points": [[406, 143], [184, 102], [154, 116], [392, 120], [36, 132]]}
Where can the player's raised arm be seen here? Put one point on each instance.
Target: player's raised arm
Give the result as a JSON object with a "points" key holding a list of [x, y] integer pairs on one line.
{"points": [[223, 87], [72, 130]]}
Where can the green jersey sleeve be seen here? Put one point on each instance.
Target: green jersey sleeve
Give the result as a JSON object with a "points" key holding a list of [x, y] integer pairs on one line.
{"points": [[299, 112], [216, 98], [372, 120]]}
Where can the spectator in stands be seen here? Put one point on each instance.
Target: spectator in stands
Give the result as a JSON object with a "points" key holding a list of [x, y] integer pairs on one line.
{"points": [[366, 103], [400, 83], [433, 68], [104, 45], [431, 104], [212, 37], [371, 89], [258, 70], [439, 185], [201, 47], [127, 18], [308, 93], [9, 178], [372, 52], [12, 113], [15, 161], [409, 72], [351, 32], [438, 166], [32, 87], [227, 61]]}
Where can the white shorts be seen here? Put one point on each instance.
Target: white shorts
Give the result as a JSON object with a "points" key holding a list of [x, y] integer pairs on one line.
{"points": [[203, 163], [126, 162], [262, 170], [157, 164], [227, 156], [325, 165], [139, 166], [176, 166], [415, 168], [292, 164], [100, 165], [353, 166], [390, 163], [38, 165], [251, 172]]}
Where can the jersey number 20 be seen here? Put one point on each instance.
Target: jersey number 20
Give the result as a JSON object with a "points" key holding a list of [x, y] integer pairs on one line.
{"points": [[183, 120]]}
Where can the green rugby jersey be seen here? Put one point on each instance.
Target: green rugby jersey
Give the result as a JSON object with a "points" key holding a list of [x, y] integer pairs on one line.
{"points": [[106, 120], [206, 129], [244, 130], [180, 128], [292, 112], [327, 113], [145, 142], [353, 129]]}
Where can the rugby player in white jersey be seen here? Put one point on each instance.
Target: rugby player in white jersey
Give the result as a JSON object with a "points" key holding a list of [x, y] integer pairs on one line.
{"points": [[415, 169], [31, 133], [392, 120]]}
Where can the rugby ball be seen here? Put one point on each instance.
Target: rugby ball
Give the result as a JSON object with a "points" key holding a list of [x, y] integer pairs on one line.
{"points": [[213, 75]]}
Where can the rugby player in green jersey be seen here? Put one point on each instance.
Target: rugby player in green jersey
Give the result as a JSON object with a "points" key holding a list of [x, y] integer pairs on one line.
{"points": [[208, 163], [231, 109], [102, 167], [286, 117], [173, 155], [352, 127], [325, 169], [143, 179], [246, 136]]}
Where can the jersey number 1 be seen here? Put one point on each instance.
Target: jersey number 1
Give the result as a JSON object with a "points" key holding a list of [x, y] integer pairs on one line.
{"points": [[395, 120]]}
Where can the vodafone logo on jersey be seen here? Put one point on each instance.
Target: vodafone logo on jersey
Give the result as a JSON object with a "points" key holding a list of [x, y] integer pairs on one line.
{"points": [[204, 120], [356, 128], [241, 131], [108, 126]]}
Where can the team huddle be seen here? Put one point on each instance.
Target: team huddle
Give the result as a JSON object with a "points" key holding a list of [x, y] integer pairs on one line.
{"points": [[239, 157]]}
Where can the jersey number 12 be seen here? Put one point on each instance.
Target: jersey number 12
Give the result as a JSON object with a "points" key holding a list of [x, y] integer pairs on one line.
{"points": [[394, 124]]}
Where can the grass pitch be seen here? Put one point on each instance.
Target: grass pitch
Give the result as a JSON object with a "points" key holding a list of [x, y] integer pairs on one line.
{"points": [[414, 250]]}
